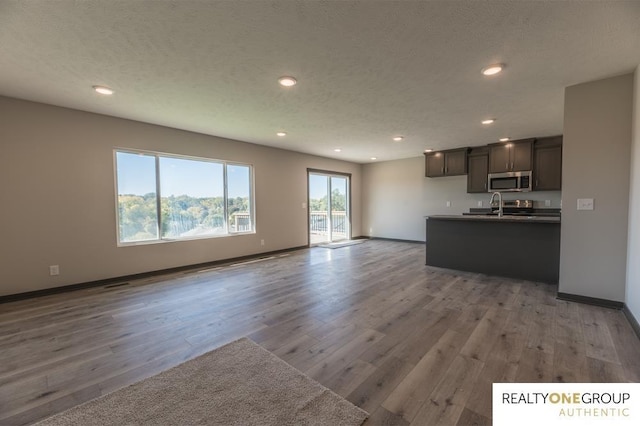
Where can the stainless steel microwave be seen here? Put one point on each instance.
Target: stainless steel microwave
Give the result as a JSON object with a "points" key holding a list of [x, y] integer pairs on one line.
{"points": [[510, 182]]}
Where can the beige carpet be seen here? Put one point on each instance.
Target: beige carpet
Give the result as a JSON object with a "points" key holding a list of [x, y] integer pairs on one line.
{"points": [[238, 384]]}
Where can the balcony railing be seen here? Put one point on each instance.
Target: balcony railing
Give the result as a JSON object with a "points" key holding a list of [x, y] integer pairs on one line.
{"points": [[241, 222], [319, 223]]}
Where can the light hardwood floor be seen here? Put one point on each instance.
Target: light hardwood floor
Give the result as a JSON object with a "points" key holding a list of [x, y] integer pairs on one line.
{"points": [[411, 344]]}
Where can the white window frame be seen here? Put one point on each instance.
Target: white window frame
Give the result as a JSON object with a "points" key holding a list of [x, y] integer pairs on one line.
{"points": [[160, 239]]}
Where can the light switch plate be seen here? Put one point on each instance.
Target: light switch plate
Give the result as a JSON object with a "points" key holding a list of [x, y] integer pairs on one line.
{"points": [[547, 203], [585, 204], [448, 203], [480, 203]]}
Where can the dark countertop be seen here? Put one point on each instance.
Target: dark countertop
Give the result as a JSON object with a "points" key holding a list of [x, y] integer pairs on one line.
{"points": [[510, 219], [514, 211]]}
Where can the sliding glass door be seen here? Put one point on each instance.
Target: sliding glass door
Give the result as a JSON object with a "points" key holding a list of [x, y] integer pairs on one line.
{"points": [[329, 216]]}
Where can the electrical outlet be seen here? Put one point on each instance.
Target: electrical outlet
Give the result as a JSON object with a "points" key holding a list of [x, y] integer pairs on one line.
{"points": [[448, 203], [585, 203], [547, 203], [261, 242], [54, 270], [304, 205], [480, 203]]}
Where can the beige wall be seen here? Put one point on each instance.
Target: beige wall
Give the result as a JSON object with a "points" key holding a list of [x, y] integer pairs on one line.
{"points": [[597, 142], [397, 196], [58, 203], [632, 297]]}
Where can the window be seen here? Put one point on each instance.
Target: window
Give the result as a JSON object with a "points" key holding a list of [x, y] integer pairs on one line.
{"points": [[238, 198], [163, 197], [137, 197]]}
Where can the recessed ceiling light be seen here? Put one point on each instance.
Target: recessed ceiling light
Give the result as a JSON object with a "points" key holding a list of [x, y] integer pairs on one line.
{"points": [[489, 121], [374, 158], [398, 138], [493, 69], [287, 81], [337, 150], [504, 139], [281, 134], [103, 90], [428, 150]]}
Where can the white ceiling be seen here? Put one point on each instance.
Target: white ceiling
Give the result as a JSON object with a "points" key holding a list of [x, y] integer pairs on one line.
{"points": [[367, 70]]}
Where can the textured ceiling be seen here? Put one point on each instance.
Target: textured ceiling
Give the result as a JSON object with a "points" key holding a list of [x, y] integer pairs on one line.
{"points": [[367, 70]]}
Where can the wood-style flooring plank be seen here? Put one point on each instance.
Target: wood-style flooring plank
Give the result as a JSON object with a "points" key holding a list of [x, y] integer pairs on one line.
{"points": [[494, 370], [382, 417], [420, 342], [569, 364], [378, 385], [414, 390], [627, 348], [534, 366], [339, 360], [604, 372], [598, 341], [471, 418], [540, 334], [482, 340], [448, 399]]}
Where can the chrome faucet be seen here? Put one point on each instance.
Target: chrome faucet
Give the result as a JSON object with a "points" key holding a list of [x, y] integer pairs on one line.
{"points": [[500, 211]]}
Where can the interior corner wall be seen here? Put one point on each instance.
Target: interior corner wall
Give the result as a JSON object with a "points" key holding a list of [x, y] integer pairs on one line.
{"points": [[396, 197], [595, 164], [57, 197], [632, 297], [392, 199]]}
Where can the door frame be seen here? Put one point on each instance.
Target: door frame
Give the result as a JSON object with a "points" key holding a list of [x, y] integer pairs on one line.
{"points": [[328, 173]]}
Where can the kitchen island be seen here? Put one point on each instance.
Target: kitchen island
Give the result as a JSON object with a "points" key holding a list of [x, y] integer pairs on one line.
{"points": [[526, 247]]}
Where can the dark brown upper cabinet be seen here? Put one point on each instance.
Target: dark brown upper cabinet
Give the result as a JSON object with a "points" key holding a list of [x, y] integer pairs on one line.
{"points": [[547, 164], [478, 168], [513, 156], [452, 162]]}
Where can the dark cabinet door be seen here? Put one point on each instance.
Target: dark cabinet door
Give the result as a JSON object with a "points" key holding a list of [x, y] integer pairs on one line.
{"points": [[547, 165], [455, 163], [521, 153], [513, 156], [434, 164], [446, 163], [477, 171], [499, 158]]}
